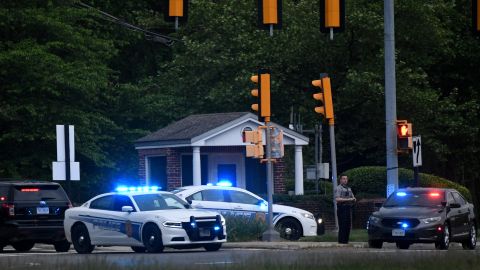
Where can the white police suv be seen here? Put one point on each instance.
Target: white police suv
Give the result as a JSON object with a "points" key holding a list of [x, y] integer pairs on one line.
{"points": [[292, 223], [145, 219]]}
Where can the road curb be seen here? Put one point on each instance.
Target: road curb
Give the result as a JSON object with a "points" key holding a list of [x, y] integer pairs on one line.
{"points": [[291, 245]]}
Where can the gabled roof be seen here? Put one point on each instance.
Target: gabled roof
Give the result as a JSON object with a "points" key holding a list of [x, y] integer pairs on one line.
{"points": [[191, 126], [209, 129]]}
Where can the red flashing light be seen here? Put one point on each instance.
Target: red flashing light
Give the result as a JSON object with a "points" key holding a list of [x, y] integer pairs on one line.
{"points": [[434, 194], [29, 189], [3, 198], [439, 229]]}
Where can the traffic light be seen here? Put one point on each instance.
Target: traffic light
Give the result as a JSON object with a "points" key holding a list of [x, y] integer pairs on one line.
{"points": [[404, 136], [324, 96], [262, 95], [269, 13], [255, 138], [476, 16], [175, 9], [276, 136], [332, 15]]}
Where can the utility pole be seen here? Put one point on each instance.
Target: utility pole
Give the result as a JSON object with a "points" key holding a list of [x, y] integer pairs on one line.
{"points": [[390, 98]]}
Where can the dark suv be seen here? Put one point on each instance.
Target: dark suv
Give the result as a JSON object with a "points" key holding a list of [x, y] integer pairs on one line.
{"points": [[424, 215], [32, 212]]}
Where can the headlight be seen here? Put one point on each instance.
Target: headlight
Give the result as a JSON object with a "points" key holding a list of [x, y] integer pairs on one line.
{"points": [[374, 219], [308, 215], [172, 224], [320, 221], [431, 220]]}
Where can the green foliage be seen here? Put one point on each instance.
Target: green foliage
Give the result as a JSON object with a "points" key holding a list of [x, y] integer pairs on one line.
{"points": [[245, 228], [372, 181]]}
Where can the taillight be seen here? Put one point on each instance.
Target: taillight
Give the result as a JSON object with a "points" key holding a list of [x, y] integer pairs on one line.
{"points": [[10, 208]]}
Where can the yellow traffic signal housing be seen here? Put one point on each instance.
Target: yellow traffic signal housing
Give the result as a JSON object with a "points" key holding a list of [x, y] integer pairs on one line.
{"points": [[255, 138], [476, 16], [332, 15], [175, 9], [324, 96], [269, 13], [262, 95], [404, 136]]}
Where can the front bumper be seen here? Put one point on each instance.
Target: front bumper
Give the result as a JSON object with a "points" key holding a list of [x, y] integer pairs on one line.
{"points": [[428, 233], [197, 231], [309, 227]]}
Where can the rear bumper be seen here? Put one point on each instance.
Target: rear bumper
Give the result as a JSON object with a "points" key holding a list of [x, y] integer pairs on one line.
{"points": [[429, 234], [13, 232]]}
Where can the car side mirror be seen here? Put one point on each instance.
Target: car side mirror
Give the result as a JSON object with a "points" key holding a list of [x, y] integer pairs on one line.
{"points": [[455, 205], [189, 201], [127, 209]]}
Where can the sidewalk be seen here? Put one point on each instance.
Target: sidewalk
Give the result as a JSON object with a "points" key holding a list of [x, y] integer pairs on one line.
{"points": [[292, 245]]}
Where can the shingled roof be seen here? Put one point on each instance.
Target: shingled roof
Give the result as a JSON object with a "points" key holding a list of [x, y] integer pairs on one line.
{"points": [[191, 126]]}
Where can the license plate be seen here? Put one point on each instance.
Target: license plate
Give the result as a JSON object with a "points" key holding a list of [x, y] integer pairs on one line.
{"points": [[203, 232], [398, 232], [43, 211]]}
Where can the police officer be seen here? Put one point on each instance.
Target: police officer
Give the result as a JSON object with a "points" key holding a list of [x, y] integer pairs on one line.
{"points": [[345, 200]]}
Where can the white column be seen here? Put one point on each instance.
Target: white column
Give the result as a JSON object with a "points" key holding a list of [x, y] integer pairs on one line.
{"points": [[298, 170], [197, 168]]}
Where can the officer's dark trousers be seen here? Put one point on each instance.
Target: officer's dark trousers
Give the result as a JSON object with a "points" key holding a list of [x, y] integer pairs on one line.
{"points": [[344, 222]]}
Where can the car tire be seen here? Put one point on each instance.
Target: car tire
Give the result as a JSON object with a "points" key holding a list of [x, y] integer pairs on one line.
{"points": [[81, 239], [23, 246], [212, 247], [138, 249], [375, 243], [444, 243], [62, 246], [289, 229], [152, 239], [403, 245], [471, 243]]}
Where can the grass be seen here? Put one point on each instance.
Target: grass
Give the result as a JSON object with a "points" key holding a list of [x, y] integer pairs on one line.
{"points": [[357, 235]]}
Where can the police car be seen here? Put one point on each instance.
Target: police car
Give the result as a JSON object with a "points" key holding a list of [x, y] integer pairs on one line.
{"points": [[292, 223], [145, 219]]}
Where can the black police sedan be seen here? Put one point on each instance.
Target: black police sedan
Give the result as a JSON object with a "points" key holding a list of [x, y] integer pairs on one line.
{"points": [[423, 215]]}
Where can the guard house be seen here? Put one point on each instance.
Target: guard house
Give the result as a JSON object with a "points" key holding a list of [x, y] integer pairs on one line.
{"points": [[208, 148]]}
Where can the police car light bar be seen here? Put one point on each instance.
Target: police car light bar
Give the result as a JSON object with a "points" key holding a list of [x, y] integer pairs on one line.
{"points": [[134, 189], [401, 194]]}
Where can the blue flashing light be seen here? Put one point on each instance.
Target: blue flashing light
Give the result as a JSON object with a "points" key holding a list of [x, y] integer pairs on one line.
{"points": [[263, 205], [209, 184], [404, 225], [401, 194], [216, 228], [224, 183], [121, 189], [134, 189], [193, 224], [154, 188]]}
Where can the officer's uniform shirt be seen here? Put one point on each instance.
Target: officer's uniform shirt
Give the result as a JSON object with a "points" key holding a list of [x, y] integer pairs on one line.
{"points": [[343, 192]]}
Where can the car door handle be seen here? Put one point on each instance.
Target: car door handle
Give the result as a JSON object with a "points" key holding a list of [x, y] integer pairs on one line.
{"points": [[238, 208], [199, 206]]}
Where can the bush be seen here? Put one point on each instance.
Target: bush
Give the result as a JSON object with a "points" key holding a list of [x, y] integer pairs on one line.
{"points": [[371, 181], [309, 187], [245, 227]]}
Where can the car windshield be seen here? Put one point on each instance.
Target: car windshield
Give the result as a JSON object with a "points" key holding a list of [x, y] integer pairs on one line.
{"points": [[427, 198], [152, 202]]}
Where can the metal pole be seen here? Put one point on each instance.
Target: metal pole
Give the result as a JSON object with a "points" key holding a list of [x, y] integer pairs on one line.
{"points": [[271, 30], [320, 158], [390, 98], [334, 167], [415, 175], [176, 24], [270, 235], [316, 159], [67, 158]]}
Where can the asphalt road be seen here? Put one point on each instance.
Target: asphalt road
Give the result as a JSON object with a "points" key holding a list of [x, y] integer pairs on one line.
{"points": [[43, 255]]}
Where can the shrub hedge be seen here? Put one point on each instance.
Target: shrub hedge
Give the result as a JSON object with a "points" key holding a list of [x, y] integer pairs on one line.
{"points": [[245, 228], [371, 181]]}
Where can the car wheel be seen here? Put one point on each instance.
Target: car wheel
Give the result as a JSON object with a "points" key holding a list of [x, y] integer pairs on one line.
{"points": [[152, 239], [403, 245], [375, 243], [138, 249], [289, 228], [471, 243], [62, 246], [213, 247], [444, 243], [81, 239], [23, 246]]}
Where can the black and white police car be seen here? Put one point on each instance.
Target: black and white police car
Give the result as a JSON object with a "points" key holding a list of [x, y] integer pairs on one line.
{"points": [[145, 219], [292, 223]]}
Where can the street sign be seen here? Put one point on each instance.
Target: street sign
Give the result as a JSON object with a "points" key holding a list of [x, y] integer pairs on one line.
{"points": [[65, 168], [417, 151]]}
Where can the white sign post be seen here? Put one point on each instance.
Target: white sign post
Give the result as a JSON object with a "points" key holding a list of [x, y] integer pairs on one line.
{"points": [[65, 168]]}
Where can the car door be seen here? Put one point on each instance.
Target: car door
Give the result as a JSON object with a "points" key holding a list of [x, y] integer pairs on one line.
{"points": [[97, 219], [462, 214], [211, 199], [452, 214], [244, 203], [126, 219]]}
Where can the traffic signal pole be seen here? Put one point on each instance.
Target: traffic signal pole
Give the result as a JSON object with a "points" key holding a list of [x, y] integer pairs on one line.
{"points": [[390, 98], [333, 157], [270, 235]]}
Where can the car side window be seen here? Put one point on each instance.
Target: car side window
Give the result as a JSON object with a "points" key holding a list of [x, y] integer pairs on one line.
{"points": [[450, 198], [103, 203], [120, 201], [458, 198], [213, 195], [195, 197], [241, 197]]}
